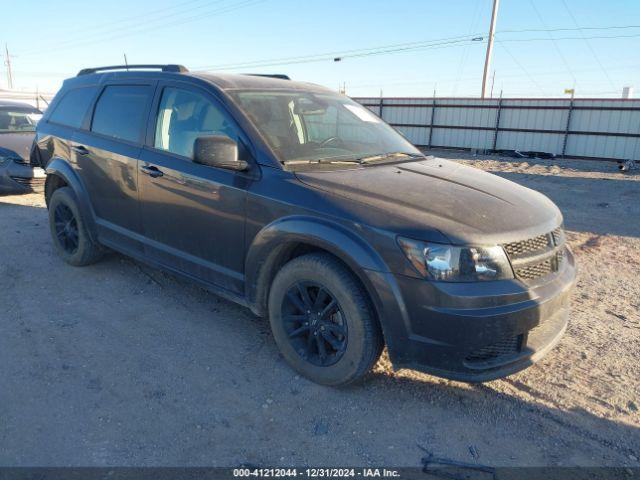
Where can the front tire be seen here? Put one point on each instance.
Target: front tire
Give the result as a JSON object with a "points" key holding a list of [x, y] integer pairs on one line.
{"points": [[68, 230], [322, 320]]}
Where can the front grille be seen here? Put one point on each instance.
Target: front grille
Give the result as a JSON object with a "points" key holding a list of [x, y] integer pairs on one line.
{"points": [[537, 257], [505, 347], [31, 182], [524, 247], [536, 270]]}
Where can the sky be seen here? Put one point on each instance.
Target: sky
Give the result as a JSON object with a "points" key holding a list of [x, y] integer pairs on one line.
{"points": [[397, 48]]}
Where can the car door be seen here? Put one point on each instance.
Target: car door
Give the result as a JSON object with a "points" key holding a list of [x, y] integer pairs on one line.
{"points": [[193, 215], [107, 159]]}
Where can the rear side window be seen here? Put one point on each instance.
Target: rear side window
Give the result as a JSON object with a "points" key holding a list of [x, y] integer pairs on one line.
{"points": [[73, 107], [121, 112]]}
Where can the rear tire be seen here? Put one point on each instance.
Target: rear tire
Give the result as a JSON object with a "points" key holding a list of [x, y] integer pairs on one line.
{"points": [[329, 334], [68, 230]]}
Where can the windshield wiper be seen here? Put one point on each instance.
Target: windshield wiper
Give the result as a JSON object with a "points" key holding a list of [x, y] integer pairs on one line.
{"points": [[360, 161], [388, 156], [320, 161]]}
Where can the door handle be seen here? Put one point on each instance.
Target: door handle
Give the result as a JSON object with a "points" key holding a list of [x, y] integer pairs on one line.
{"points": [[152, 171], [80, 150]]}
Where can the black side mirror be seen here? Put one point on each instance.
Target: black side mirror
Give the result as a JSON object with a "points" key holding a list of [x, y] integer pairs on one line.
{"points": [[218, 151]]}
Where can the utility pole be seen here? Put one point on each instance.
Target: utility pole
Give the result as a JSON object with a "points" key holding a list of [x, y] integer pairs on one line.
{"points": [[487, 61], [7, 62]]}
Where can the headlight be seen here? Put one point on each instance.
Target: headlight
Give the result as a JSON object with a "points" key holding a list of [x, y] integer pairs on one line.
{"points": [[448, 263]]}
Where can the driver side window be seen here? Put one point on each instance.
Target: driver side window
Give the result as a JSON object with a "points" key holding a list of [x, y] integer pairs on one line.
{"points": [[183, 116]]}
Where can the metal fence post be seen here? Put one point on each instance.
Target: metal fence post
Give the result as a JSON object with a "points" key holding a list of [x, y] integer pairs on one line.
{"points": [[497, 128], [380, 107], [566, 130], [433, 111]]}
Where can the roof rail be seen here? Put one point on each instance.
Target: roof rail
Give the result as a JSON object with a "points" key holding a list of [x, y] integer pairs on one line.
{"points": [[164, 68], [281, 76]]}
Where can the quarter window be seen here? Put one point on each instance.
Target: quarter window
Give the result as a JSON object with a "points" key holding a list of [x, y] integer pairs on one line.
{"points": [[120, 112], [184, 116], [73, 107]]}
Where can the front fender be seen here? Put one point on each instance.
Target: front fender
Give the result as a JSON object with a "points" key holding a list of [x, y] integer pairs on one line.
{"points": [[58, 167], [275, 241]]}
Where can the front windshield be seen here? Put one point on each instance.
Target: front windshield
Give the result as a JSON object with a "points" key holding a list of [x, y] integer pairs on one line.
{"points": [[305, 126], [18, 119]]}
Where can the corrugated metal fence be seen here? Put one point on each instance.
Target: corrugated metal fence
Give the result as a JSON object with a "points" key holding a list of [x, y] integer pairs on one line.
{"points": [[591, 128]]}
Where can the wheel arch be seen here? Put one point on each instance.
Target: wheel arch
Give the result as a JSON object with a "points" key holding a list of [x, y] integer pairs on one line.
{"points": [[288, 238]]}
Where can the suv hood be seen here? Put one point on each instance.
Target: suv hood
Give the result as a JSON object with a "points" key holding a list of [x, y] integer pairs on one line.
{"points": [[19, 143], [467, 205]]}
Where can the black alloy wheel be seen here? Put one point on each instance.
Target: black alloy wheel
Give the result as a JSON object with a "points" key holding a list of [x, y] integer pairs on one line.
{"points": [[66, 228], [314, 323]]}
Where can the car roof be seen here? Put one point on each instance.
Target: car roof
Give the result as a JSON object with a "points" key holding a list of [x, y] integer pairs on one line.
{"points": [[223, 81], [234, 81]]}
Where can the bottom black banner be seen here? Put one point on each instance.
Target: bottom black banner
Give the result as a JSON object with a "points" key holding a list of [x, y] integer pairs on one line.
{"points": [[431, 470]]}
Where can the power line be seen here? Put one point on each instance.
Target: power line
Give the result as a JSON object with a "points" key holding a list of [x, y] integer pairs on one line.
{"points": [[107, 28], [334, 55], [578, 28], [555, 45], [593, 37], [181, 21], [395, 82], [450, 42], [104, 29], [586, 41], [381, 50], [388, 49], [344, 53], [463, 58], [524, 70]]}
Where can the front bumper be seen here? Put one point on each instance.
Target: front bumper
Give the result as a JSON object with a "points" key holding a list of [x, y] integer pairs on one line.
{"points": [[16, 178], [474, 332]]}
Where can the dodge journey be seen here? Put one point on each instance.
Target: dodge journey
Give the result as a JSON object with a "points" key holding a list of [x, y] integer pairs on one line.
{"points": [[308, 209]]}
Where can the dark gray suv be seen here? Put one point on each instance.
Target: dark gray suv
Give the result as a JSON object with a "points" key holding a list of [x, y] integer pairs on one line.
{"points": [[305, 207]]}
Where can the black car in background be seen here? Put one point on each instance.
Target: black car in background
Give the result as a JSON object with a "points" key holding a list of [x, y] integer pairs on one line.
{"points": [[305, 207], [18, 122]]}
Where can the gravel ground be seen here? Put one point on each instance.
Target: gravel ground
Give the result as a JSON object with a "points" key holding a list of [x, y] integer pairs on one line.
{"points": [[121, 364]]}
